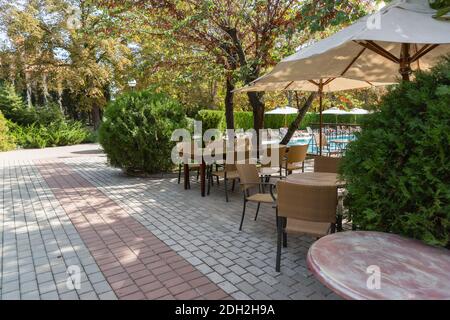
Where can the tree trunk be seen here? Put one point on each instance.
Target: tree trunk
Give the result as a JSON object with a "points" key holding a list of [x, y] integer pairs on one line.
{"points": [[60, 92], [96, 117], [29, 88], [301, 114], [229, 104], [45, 88], [258, 113]]}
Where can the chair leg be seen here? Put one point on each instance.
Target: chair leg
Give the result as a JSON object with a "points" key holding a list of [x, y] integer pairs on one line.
{"points": [[210, 179], [333, 228], [232, 186], [198, 173], [189, 182], [284, 233], [276, 217], [303, 166], [243, 215], [257, 210], [226, 189], [179, 173], [279, 235]]}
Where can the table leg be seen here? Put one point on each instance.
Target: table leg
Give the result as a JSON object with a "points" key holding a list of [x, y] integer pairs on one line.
{"points": [[186, 176], [202, 178]]}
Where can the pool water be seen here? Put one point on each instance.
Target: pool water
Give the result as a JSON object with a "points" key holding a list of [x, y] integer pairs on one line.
{"points": [[312, 148]]}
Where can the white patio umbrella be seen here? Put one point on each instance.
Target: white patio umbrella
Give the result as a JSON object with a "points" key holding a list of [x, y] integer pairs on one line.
{"points": [[284, 111], [400, 37], [336, 111], [358, 111], [320, 85]]}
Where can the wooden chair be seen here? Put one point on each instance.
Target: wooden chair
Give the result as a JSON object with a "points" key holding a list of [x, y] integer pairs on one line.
{"points": [[304, 209], [250, 181]]}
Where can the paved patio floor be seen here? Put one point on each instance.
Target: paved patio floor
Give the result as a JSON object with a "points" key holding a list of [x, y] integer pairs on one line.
{"points": [[63, 210]]}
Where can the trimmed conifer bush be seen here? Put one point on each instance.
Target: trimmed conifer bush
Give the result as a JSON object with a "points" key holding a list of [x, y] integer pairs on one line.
{"points": [[137, 129]]}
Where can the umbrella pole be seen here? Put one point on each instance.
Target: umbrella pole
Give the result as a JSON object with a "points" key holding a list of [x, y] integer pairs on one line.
{"points": [[405, 62], [321, 116]]}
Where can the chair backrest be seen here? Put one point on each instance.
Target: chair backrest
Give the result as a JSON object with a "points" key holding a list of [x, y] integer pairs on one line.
{"points": [[240, 157], [248, 175], [183, 149], [297, 153], [281, 155], [309, 203], [326, 164]]}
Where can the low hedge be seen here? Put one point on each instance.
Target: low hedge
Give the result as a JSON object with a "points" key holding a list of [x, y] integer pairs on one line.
{"points": [[62, 133], [6, 140], [215, 119]]}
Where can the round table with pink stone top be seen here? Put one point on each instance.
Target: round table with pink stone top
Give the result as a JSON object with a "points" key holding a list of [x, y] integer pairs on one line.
{"points": [[350, 262]]}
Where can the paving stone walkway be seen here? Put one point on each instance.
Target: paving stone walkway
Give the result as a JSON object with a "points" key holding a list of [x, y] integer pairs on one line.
{"points": [[135, 238]]}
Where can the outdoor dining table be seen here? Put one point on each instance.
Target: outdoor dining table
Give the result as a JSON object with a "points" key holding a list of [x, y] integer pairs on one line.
{"points": [[316, 179], [202, 170], [349, 262]]}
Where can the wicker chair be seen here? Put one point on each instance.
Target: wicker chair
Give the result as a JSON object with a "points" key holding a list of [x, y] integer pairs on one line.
{"points": [[295, 159], [229, 172], [304, 209], [267, 168], [181, 146], [250, 181], [325, 145], [326, 164]]}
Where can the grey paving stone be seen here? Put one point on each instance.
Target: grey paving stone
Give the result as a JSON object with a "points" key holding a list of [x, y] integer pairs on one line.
{"points": [[227, 287], [11, 295], [28, 286], [32, 295], [88, 296], [72, 295], [101, 287], [53, 295], [110, 295], [203, 230]]}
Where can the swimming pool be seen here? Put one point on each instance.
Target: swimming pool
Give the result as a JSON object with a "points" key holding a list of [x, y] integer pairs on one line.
{"points": [[312, 148]]}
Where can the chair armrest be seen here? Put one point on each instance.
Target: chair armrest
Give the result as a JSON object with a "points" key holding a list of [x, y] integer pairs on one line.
{"points": [[271, 186]]}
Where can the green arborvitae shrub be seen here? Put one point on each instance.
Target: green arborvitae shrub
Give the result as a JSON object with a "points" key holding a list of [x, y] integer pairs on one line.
{"points": [[6, 140], [136, 131], [398, 170], [211, 119], [243, 120], [14, 109]]}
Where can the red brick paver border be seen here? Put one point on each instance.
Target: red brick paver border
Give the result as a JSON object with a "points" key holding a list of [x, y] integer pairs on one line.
{"points": [[135, 262]]}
